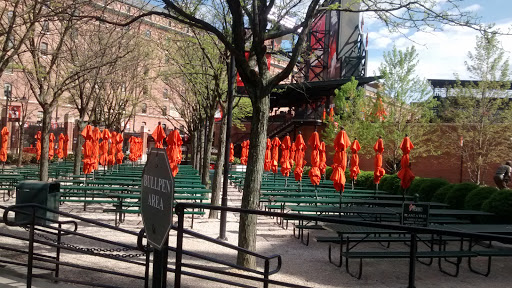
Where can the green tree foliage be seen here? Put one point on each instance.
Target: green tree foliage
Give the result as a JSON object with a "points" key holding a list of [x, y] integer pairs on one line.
{"points": [[481, 111], [350, 113], [408, 103], [242, 109]]}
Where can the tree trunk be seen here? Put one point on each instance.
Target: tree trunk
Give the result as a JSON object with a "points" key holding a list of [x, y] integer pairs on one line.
{"points": [[219, 166], [251, 194], [200, 150], [45, 142], [78, 147], [193, 144], [208, 150], [20, 144]]}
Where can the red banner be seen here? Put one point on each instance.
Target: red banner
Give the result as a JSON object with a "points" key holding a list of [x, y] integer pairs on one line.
{"points": [[14, 113]]}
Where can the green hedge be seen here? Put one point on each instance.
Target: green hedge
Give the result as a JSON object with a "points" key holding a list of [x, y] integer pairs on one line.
{"points": [[500, 203], [477, 197], [458, 194], [391, 184], [365, 179], [416, 185], [305, 171], [440, 195], [429, 187], [328, 172]]}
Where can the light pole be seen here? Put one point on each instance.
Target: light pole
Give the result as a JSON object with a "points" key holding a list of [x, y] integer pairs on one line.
{"points": [[461, 157], [224, 199], [7, 94]]}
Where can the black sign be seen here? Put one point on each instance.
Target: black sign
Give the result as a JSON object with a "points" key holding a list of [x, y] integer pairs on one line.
{"points": [[157, 197], [415, 214]]}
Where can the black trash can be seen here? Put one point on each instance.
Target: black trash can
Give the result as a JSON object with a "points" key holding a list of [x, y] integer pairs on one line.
{"points": [[39, 192]]}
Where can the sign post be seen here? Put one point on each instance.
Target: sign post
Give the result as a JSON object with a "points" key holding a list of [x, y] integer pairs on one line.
{"points": [[157, 196]]}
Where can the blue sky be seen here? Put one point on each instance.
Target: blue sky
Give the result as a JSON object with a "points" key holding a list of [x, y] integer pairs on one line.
{"points": [[441, 54]]}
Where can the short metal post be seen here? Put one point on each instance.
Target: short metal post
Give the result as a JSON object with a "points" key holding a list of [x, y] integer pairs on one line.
{"points": [[57, 257], [146, 269], [265, 274], [179, 247], [31, 249], [412, 261]]}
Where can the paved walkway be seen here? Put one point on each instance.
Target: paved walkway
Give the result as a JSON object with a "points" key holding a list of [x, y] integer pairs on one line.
{"points": [[14, 276]]}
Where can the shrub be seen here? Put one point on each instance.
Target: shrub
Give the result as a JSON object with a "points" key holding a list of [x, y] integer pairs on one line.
{"points": [[365, 179], [477, 197], [328, 172], [458, 195], [236, 161], [429, 187], [416, 185], [391, 184], [383, 181], [441, 194], [70, 157], [500, 203], [305, 171]]}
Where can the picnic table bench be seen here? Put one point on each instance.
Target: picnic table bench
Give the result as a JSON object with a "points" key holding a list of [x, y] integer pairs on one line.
{"points": [[348, 253]]}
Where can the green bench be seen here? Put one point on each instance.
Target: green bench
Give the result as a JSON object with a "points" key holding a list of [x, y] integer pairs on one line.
{"points": [[137, 211]]}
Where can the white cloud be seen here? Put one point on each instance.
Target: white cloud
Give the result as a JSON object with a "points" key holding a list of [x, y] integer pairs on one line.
{"points": [[441, 53], [472, 8]]}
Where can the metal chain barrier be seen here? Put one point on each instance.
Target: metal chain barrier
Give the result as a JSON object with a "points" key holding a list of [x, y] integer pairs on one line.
{"points": [[97, 251]]}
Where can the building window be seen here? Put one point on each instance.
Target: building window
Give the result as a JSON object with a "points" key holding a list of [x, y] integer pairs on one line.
{"points": [[10, 45], [73, 34], [45, 27], [9, 70], [166, 94], [170, 23], [44, 48], [123, 88], [164, 111], [46, 4], [128, 9], [144, 108], [39, 116], [9, 16], [148, 33], [145, 90], [43, 72]]}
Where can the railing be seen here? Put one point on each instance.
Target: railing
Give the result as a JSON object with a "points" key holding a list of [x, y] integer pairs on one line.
{"points": [[413, 230], [182, 267], [35, 228], [46, 232]]}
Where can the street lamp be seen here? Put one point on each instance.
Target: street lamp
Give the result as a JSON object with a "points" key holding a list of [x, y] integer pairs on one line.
{"points": [[7, 94]]}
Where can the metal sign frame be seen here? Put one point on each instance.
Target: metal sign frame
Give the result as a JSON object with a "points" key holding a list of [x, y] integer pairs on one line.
{"points": [[157, 194]]}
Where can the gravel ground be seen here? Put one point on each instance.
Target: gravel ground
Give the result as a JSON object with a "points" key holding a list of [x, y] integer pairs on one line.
{"points": [[302, 265]]}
